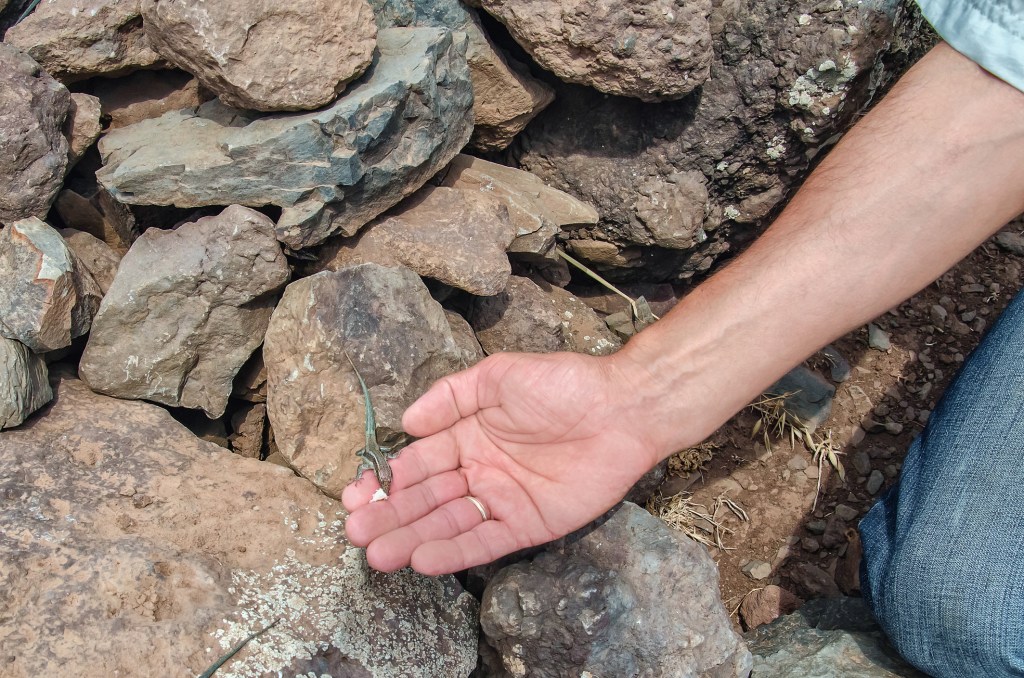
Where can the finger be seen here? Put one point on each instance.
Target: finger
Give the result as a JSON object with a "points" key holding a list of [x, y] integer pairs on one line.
{"points": [[369, 522], [393, 550], [450, 399], [415, 463], [486, 542]]}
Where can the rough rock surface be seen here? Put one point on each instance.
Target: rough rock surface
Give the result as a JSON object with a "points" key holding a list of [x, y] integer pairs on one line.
{"points": [[767, 604], [47, 297], [835, 637], [82, 126], [77, 39], [441, 233], [397, 336], [96, 256], [538, 211], [249, 423], [187, 308], [653, 50], [99, 215], [347, 163], [33, 151], [786, 78], [536, 317], [129, 543], [147, 94], [23, 382], [262, 54], [505, 96], [462, 332], [630, 598], [807, 395]]}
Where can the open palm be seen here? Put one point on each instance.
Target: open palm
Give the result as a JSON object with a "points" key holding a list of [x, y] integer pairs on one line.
{"points": [[546, 442]]}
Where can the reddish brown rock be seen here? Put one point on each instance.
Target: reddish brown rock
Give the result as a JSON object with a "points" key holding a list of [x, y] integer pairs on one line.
{"points": [[767, 604], [147, 94], [263, 55], [82, 126], [96, 256]]}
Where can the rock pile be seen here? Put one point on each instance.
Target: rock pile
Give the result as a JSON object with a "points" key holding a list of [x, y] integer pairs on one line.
{"points": [[187, 182]]}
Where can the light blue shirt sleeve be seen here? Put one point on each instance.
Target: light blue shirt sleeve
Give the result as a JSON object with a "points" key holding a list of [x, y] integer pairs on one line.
{"points": [[989, 32]]}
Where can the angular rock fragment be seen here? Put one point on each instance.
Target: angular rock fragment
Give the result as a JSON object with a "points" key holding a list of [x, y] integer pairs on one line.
{"points": [[538, 211], [345, 164], [263, 55], [77, 39], [248, 425], [47, 297], [33, 149], [395, 333], [539, 318], [472, 352], [186, 309], [82, 126], [133, 548], [441, 233], [630, 598], [23, 382], [653, 50], [99, 215], [95, 255], [505, 96], [147, 94]]}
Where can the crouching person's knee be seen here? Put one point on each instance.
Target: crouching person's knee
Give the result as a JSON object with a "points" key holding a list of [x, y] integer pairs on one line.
{"points": [[947, 615]]}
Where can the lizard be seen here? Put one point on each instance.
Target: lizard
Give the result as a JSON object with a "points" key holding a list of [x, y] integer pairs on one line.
{"points": [[373, 455]]}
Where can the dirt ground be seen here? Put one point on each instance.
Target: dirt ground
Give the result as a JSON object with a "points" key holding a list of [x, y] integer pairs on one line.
{"points": [[805, 533]]}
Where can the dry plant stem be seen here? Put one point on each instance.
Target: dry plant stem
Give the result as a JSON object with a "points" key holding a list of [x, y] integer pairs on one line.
{"points": [[925, 177], [605, 283]]}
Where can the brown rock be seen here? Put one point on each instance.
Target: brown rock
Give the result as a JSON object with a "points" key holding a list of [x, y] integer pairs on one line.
{"points": [[395, 333], [605, 253], [251, 381], [455, 237], [135, 549], [248, 426], [100, 216], [538, 318], [77, 39], [259, 55], [660, 297], [653, 50], [538, 211], [147, 94], [463, 335], [813, 582], [23, 382], [33, 149], [96, 256], [767, 604], [82, 126], [186, 310], [505, 96], [848, 569], [47, 297], [674, 208]]}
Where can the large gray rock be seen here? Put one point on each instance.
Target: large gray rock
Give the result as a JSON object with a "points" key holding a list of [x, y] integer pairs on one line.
{"points": [[346, 163], [653, 50], [47, 297], [696, 174], [630, 598], [395, 333], [505, 96], [836, 637], [33, 150], [258, 55], [23, 382], [441, 233], [186, 309], [539, 212], [130, 547], [536, 317], [77, 39]]}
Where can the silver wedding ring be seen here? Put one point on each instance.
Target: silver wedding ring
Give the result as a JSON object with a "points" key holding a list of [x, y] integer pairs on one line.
{"points": [[479, 507]]}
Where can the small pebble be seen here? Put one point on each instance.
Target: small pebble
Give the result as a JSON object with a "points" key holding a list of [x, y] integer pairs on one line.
{"points": [[875, 482], [797, 463], [893, 428], [816, 526], [878, 338], [810, 544], [862, 462], [811, 472], [891, 471], [845, 512], [757, 569]]}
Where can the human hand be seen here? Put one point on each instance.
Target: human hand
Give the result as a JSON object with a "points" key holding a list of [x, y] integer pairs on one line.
{"points": [[547, 443]]}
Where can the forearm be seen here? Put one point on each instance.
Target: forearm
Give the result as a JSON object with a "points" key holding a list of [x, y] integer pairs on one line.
{"points": [[931, 172]]}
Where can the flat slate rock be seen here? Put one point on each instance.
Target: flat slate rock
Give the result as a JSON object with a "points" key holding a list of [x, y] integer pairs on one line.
{"points": [[330, 171]]}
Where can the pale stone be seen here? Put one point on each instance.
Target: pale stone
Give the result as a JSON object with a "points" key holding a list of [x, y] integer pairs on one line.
{"points": [[186, 309], [77, 39], [262, 55], [47, 297], [348, 163]]}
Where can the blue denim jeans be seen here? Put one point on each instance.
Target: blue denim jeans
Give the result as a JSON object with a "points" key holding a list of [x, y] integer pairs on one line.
{"points": [[943, 565]]}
